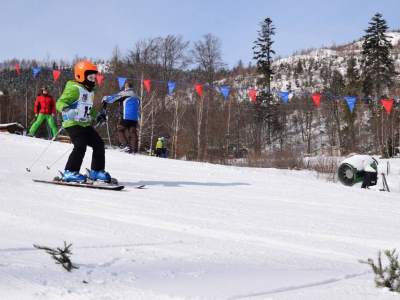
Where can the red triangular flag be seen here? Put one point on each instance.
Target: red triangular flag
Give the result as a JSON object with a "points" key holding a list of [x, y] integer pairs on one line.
{"points": [[99, 78], [199, 89], [387, 104], [17, 68], [253, 95], [146, 83], [317, 99], [56, 74]]}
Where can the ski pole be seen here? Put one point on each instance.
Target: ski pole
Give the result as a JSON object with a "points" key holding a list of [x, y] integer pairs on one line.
{"points": [[99, 124], [34, 119], [62, 127], [104, 108], [48, 167], [108, 130]]}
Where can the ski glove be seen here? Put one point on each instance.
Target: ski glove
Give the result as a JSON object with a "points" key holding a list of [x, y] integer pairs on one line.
{"points": [[101, 118], [68, 113]]}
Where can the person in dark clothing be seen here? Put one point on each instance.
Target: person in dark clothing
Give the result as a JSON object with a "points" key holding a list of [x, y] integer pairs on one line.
{"points": [[159, 147], [45, 109], [129, 103], [164, 147]]}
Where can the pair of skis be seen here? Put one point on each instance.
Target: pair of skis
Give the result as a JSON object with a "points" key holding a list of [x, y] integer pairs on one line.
{"points": [[91, 185]]}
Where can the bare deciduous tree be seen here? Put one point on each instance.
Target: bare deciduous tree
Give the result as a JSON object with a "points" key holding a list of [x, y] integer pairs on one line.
{"points": [[207, 56], [173, 58]]}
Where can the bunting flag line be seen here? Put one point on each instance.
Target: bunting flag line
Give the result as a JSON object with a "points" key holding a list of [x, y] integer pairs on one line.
{"points": [[35, 71], [284, 96], [224, 91], [99, 78], [317, 99], [350, 102], [387, 104], [171, 86], [56, 74], [253, 95], [199, 89], [146, 83], [121, 81]]}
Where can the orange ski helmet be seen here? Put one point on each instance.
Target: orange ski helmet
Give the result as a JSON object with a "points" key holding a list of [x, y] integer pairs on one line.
{"points": [[82, 68]]}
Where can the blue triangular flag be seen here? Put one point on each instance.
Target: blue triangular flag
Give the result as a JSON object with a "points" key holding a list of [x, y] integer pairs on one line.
{"points": [[284, 96], [350, 102], [225, 90], [171, 86], [121, 81], [35, 71]]}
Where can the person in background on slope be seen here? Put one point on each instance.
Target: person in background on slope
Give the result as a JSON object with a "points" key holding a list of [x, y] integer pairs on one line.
{"points": [[76, 106], [129, 103], [159, 146], [45, 109], [164, 147]]}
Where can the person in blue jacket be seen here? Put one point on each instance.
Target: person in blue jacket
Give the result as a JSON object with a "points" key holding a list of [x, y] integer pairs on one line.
{"points": [[129, 103]]}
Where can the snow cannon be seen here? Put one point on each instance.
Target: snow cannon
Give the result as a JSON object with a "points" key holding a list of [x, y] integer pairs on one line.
{"points": [[352, 169]]}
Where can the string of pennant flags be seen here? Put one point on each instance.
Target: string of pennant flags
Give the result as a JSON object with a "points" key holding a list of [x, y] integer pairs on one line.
{"points": [[387, 103]]}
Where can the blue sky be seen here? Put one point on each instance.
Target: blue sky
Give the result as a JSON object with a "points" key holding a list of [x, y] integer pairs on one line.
{"points": [[56, 29]]}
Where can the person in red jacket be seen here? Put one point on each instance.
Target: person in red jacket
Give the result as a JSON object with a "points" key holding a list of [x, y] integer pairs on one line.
{"points": [[45, 109]]}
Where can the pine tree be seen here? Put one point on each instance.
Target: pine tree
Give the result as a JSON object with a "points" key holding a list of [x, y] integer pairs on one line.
{"points": [[354, 84], [299, 68], [378, 66], [378, 70], [388, 276], [263, 52], [266, 109], [60, 255]]}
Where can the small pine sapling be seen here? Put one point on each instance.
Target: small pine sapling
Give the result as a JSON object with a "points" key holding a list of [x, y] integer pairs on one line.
{"points": [[388, 276], [61, 256]]}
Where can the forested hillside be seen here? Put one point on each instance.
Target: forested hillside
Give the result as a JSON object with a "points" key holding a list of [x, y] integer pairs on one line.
{"points": [[213, 113]]}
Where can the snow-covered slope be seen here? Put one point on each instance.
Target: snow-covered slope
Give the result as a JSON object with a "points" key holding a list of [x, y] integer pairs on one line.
{"points": [[198, 231]]}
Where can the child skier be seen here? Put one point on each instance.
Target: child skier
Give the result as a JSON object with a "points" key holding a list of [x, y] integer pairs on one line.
{"points": [[76, 106]]}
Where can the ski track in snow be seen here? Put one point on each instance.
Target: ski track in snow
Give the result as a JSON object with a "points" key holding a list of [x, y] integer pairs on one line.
{"points": [[197, 231]]}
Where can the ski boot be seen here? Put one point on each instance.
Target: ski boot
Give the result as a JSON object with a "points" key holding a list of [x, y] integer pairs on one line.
{"points": [[71, 176], [100, 176], [125, 148]]}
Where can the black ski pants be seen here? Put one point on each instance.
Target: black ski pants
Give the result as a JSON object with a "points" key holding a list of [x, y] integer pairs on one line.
{"points": [[82, 137]]}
